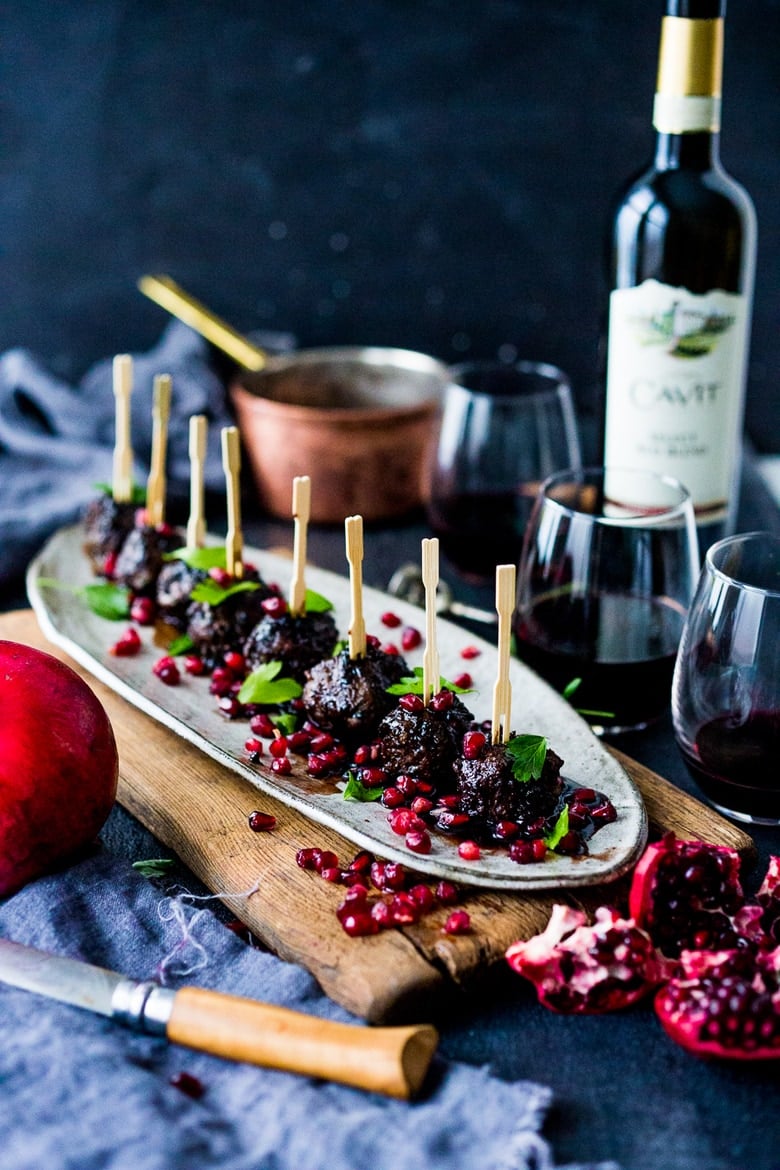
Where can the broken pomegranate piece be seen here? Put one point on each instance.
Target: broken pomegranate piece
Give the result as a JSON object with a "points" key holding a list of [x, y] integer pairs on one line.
{"points": [[581, 968], [724, 1004]]}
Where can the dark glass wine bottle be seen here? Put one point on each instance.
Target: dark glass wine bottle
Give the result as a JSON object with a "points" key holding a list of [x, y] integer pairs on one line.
{"points": [[683, 242]]}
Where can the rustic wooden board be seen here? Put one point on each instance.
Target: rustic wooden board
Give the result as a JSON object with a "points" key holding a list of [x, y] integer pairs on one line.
{"points": [[199, 810]]}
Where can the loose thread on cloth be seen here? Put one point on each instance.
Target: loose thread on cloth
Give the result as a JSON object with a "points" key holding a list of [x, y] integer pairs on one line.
{"points": [[174, 908]]}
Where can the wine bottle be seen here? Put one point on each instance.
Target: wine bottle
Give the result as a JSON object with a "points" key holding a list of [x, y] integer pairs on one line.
{"points": [[682, 262]]}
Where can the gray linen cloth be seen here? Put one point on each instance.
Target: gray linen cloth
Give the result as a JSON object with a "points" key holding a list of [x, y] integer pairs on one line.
{"points": [[56, 441], [82, 1093]]}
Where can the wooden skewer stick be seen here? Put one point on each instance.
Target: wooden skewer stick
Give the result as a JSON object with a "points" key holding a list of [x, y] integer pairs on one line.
{"points": [[301, 506], [231, 462], [430, 576], [196, 525], [122, 485], [353, 526], [502, 691], [155, 484]]}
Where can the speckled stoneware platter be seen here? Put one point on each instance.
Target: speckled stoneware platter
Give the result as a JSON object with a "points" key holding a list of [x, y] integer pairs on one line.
{"points": [[191, 712]]}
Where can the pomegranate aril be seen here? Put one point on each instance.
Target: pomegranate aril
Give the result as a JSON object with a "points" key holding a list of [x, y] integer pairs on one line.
{"points": [[306, 858], [194, 665], [321, 741], [450, 800], [395, 876], [230, 707], [418, 840], [390, 648], [373, 777], [282, 766], [261, 724], [278, 746], [390, 619], [128, 645], [325, 859], [473, 744], [234, 661], [359, 924], [143, 611], [362, 754], [469, 851], [356, 895], [167, 671], [331, 873], [189, 1084], [392, 797], [470, 652], [298, 742], [382, 914], [458, 922], [403, 820], [274, 607], [423, 895], [411, 702], [450, 822], [442, 701], [361, 862], [464, 680], [447, 893], [506, 830], [421, 805], [411, 638], [260, 822], [404, 910]]}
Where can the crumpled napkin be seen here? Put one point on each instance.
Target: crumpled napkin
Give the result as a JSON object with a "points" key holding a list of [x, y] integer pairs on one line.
{"points": [[80, 1091], [56, 441]]}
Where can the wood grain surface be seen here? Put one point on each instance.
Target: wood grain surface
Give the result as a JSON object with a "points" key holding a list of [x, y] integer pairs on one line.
{"points": [[199, 810]]}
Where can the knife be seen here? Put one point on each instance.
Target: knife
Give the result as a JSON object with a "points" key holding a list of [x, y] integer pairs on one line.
{"points": [[389, 1060]]}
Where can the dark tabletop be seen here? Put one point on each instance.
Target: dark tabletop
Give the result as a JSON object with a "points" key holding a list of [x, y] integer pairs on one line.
{"points": [[622, 1090]]}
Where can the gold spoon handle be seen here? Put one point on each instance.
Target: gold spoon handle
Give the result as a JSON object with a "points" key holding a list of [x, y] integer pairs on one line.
{"points": [[168, 294]]}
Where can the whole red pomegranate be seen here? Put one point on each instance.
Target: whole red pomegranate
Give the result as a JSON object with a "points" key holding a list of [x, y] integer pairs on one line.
{"points": [[58, 764]]}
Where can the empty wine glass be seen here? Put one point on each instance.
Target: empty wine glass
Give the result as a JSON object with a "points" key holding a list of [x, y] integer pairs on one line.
{"points": [[726, 688], [504, 429], [604, 585]]}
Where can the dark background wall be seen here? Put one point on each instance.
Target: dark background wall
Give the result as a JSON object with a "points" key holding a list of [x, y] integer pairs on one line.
{"points": [[434, 174]]}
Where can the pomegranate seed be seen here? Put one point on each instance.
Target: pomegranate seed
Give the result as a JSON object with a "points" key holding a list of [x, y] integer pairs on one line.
{"points": [[458, 922], [525, 852], [359, 924], [167, 671], [469, 851], [421, 805], [372, 641], [604, 812], [450, 800], [253, 746], [410, 638], [331, 873], [390, 648], [392, 797], [373, 777], [418, 840], [423, 895], [221, 681], [382, 914], [260, 822], [109, 565], [278, 747], [221, 576], [391, 620], [394, 876], [325, 859], [424, 787], [356, 895], [261, 725], [448, 821], [506, 830], [194, 665], [321, 742], [473, 743], [274, 607], [584, 794], [230, 707], [188, 1084], [299, 742], [349, 878], [464, 680], [403, 820], [235, 662], [377, 873], [281, 766], [305, 858], [443, 701], [142, 610], [361, 862], [411, 703], [128, 645], [362, 754], [470, 652], [571, 844], [447, 893], [404, 910]]}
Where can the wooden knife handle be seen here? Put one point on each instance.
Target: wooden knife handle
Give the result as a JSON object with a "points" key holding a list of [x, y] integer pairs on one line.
{"points": [[392, 1061]]}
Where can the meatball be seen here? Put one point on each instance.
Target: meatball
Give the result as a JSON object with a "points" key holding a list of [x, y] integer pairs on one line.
{"points": [[216, 629], [140, 558], [490, 792], [298, 642], [348, 696], [423, 741], [175, 584], [107, 523]]}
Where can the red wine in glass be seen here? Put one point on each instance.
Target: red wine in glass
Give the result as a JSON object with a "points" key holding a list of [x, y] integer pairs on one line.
{"points": [[623, 649], [736, 764]]}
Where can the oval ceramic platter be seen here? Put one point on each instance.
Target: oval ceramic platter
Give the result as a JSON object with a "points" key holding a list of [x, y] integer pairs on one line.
{"points": [[189, 710]]}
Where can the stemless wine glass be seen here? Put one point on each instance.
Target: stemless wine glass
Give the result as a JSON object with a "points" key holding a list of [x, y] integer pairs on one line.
{"points": [[726, 687], [504, 429], [603, 589]]}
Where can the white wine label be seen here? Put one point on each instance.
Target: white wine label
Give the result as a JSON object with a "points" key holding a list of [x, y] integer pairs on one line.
{"points": [[675, 378], [675, 113]]}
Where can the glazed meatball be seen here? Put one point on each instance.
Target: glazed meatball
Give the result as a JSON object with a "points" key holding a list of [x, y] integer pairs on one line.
{"points": [[348, 696], [490, 793], [107, 523], [423, 741], [299, 642]]}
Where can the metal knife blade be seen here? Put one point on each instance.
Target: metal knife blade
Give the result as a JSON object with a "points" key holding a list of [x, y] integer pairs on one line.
{"points": [[390, 1060]]}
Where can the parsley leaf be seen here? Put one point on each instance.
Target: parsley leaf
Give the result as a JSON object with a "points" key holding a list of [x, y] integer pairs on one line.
{"points": [[286, 722], [413, 685], [181, 645], [316, 603], [137, 493], [154, 867], [559, 829], [106, 600], [214, 594], [570, 689], [200, 558], [528, 754], [357, 790], [263, 686]]}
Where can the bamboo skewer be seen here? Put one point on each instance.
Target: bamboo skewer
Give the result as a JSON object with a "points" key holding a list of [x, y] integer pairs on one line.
{"points": [[231, 462], [353, 526], [301, 506], [155, 484], [122, 483], [502, 691], [430, 576], [196, 525]]}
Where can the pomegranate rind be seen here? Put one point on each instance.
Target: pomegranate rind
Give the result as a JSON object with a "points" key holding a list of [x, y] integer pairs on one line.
{"points": [[697, 1008], [700, 917], [588, 969]]}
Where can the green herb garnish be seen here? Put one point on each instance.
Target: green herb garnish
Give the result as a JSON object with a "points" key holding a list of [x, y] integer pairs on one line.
{"points": [[211, 593], [413, 685], [570, 689], [106, 600], [154, 867], [213, 557], [137, 492], [357, 790], [528, 754], [316, 603], [286, 722], [265, 687], [559, 829], [181, 645]]}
